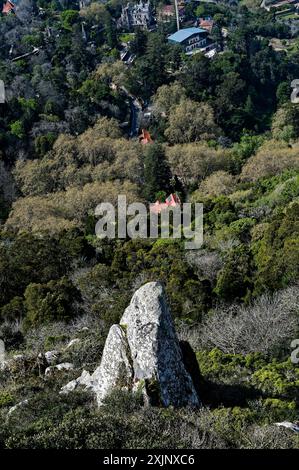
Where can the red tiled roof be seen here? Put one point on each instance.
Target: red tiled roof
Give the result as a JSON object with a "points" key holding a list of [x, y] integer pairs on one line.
{"points": [[206, 24], [172, 200], [168, 9], [145, 137], [8, 7]]}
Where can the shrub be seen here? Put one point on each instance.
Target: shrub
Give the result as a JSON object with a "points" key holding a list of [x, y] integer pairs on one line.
{"points": [[278, 379], [265, 326], [220, 212], [206, 263], [219, 183], [55, 300], [14, 310], [68, 18], [276, 253], [285, 123], [234, 282], [17, 129], [6, 399], [268, 437], [11, 333], [275, 409]]}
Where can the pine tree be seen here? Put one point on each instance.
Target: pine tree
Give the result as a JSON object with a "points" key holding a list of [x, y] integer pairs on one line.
{"points": [[157, 174], [110, 31]]}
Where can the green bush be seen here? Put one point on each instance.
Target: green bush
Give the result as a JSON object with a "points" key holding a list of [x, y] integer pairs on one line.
{"points": [[276, 253], [14, 310], [6, 399], [234, 279], [17, 129], [54, 301], [278, 379], [69, 18], [44, 143]]}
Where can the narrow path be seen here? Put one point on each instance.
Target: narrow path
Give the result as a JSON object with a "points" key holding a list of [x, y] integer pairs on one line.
{"points": [[136, 112]]}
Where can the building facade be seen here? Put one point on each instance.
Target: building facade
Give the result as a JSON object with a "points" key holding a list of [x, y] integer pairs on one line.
{"points": [[166, 13], [190, 39], [133, 15]]}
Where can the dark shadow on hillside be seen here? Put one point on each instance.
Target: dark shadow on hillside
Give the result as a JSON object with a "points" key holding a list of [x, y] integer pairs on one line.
{"points": [[215, 394], [191, 366]]}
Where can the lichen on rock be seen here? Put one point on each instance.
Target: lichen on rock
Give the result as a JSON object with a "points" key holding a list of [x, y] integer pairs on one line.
{"points": [[143, 353]]}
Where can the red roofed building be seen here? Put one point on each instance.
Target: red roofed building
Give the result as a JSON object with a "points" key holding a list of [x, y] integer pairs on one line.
{"points": [[206, 23], [145, 137], [8, 7], [171, 201], [166, 13]]}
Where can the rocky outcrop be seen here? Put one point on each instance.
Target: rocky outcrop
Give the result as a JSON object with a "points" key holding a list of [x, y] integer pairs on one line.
{"points": [[17, 406], [155, 350], [83, 380], [50, 357], [143, 353], [65, 366], [114, 370], [72, 343]]}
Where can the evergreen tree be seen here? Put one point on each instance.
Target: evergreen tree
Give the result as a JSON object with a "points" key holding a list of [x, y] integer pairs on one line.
{"points": [[138, 45], [110, 31], [156, 172]]}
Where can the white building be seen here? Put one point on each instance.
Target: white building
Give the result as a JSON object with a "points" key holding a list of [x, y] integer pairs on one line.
{"points": [[190, 39]]}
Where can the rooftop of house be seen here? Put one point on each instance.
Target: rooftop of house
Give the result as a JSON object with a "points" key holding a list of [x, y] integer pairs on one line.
{"points": [[168, 9], [184, 34], [206, 23], [172, 200], [8, 7], [145, 137]]}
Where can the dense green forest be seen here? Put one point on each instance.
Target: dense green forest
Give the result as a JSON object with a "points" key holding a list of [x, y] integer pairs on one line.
{"points": [[225, 133]]}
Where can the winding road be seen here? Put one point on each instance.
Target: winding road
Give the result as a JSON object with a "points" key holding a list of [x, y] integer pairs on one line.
{"points": [[136, 112]]}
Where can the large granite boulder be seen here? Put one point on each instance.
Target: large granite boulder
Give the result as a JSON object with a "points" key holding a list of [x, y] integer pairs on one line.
{"points": [[155, 350], [143, 353]]}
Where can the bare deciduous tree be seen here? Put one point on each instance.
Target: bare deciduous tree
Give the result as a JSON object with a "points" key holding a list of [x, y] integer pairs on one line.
{"points": [[206, 263], [261, 327]]}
